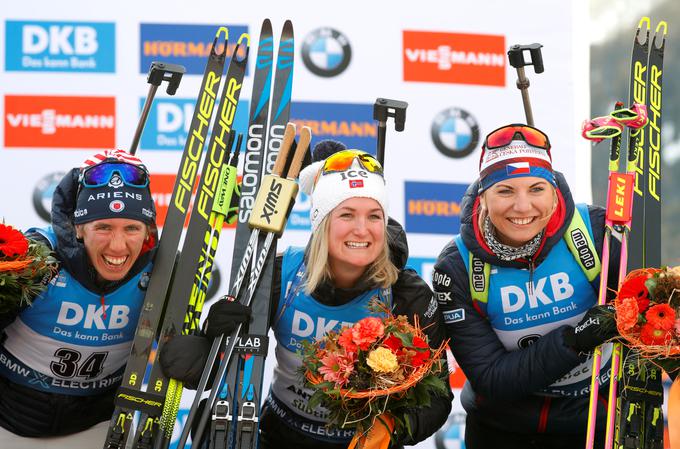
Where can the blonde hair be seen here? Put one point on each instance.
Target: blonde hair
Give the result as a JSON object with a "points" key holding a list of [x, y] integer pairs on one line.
{"points": [[381, 272]]}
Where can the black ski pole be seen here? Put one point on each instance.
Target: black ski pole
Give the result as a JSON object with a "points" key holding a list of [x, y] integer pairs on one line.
{"points": [[382, 110], [516, 58], [158, 72]]}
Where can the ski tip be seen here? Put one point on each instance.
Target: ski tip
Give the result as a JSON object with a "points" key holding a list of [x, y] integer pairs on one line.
{"points": [[266, 25], [661, 25], [645, 22], [221, 30], [244, 39]]}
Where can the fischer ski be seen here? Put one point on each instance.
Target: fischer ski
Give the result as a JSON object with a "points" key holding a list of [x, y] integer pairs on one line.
{"points": [[130, 397], [640, 421]]}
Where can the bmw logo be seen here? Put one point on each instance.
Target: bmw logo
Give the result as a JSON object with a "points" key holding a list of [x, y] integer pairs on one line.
{"points": [[326, 52], [455, 132], [42, 194], [116, 206]]}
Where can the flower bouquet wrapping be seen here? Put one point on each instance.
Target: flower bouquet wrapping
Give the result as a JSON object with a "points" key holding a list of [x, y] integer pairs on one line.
{"points": [[368, 375], [26, 266], [647, 306]]}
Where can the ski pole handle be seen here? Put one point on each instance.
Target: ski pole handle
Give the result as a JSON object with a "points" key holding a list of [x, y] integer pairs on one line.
{"points": [[300, 151], [516, 58], [158, 72], [382, 110]]}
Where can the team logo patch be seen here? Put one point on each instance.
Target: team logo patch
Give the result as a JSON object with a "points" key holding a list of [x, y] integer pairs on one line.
{"points": [[454, 316], [326, 52], [117, 206], [354, 183], [518, 168]]}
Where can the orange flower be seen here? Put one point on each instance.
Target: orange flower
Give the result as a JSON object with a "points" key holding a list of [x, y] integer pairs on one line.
{"points": [[12, 242], [627, 313], [366, 331], [635, 287], [661, 316], [650, 335]]}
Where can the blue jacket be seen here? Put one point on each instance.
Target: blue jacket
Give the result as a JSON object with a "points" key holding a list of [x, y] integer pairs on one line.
{"points": [[506, 388]]}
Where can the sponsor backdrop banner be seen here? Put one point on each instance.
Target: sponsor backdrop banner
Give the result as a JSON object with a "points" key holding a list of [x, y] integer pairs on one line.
{"points": [[73, 80]]}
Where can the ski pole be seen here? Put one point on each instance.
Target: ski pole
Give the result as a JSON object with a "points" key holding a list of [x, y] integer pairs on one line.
{"points": [[158, 72], [516, 58], [382, 110]]}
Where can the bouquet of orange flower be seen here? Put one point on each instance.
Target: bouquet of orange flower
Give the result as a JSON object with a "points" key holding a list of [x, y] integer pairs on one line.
{"points": [[647, 306], [376, 368], [26, 266]]}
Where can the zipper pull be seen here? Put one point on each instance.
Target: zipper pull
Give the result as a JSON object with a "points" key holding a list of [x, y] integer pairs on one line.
{"points": [[531, 276], [103, 307]]}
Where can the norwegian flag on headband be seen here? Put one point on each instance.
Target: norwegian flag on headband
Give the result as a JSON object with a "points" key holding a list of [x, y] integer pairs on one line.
{"points": [[518, 168], [121, 155]]}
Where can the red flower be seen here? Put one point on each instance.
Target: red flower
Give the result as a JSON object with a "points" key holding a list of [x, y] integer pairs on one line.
{"points": [[422, 352], [627, 313], [394, 344], [345, 340], [366, 331], [12, 242], [652, 336], [635, 288], [661, 316]]}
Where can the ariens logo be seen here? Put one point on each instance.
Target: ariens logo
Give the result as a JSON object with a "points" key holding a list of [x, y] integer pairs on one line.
{"points": [[60, 122], [455, 132], [60, 46], [433, 208], [188, 45], [326, 52], [454, 58]]}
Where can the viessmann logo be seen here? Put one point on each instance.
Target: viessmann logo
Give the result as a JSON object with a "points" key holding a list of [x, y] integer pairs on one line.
{"points": [[60, 46], [454, 58], [60, 122]]}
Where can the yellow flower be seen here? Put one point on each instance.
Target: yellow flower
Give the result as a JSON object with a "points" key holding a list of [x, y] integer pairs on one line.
{"points": [[675, 271], [382, 360]]}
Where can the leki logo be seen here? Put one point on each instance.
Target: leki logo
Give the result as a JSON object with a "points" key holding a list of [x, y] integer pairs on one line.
{"points": [[454, 58], [60, 122]]}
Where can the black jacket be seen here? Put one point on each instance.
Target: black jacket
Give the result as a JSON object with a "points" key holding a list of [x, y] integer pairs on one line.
{"points": [[34, 413], [501, 385]]}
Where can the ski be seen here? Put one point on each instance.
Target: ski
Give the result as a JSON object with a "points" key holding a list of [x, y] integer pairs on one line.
{"points": [[270, 211], [194, 267], [130, 397], [252, 167], [639, 413], [248, 397]]}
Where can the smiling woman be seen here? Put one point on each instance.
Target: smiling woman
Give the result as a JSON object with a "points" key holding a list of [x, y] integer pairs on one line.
{"points": [[520, 298], [355, 256]]}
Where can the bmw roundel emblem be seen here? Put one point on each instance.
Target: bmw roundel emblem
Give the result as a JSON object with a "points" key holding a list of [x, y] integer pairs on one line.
{"points": [[117, 206], [42, 194], [455, 132], [326, 52]]}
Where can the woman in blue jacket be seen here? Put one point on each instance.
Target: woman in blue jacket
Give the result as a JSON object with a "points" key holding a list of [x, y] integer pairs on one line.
{"points": [[518, 287]]}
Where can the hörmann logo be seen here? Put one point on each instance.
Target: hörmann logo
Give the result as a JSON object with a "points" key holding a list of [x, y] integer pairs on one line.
{"points": [[60, 122], [454, 58], [60, 46], [351, 123], [433, 208], [188, 45]]}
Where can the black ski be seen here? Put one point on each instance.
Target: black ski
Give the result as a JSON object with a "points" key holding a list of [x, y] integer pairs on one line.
{"points": [[251, 365], [194, 267], [130, 397]]}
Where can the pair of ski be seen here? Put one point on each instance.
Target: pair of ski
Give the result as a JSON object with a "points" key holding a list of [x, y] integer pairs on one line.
{"points": [[178, 284], [634, 416], [235, 400]]}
